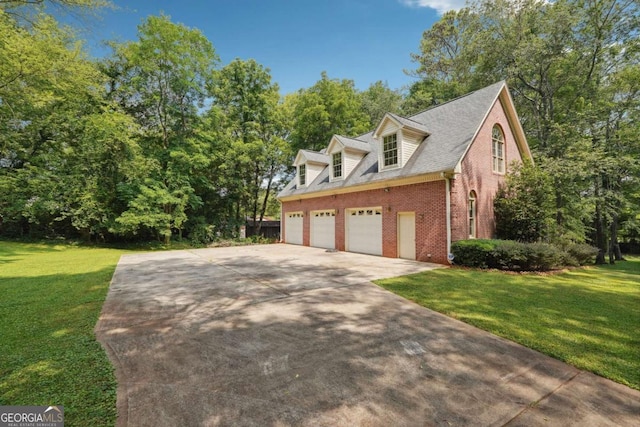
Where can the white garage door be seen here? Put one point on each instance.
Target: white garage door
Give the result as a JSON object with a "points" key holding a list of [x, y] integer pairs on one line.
{"points": [[293, 227], [323, 229], [364, 231]]}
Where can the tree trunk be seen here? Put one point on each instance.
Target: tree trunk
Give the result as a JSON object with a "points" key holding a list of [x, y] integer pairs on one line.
{"points": [[255, 197], [265, 200], [601, 240], [614, 246]]}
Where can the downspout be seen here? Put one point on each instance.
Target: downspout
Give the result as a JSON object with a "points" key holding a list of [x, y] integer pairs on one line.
{"points": [[281, 222], [447, 182]]}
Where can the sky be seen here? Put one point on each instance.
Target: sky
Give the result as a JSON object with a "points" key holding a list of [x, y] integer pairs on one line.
{"points": [[361, 40]]}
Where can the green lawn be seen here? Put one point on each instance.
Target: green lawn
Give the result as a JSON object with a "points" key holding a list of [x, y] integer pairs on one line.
{"points": [[51, 297], [587, 317]]}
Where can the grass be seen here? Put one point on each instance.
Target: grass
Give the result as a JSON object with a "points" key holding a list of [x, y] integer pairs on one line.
{"points": [[51, 299], [589, 317]]}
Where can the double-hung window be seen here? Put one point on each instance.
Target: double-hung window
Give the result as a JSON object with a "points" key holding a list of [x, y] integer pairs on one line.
{"points": [[390, 150], [302, 174], [337, 165]]}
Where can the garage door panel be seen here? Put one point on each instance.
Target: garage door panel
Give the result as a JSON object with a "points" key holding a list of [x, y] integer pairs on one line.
{"points": [[364, 231], [293, 226], [323, 229]]}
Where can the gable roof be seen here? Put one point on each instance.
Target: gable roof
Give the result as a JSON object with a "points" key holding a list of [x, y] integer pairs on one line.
{"points": [[402, 121], [353, 144], [313, 157], [452, 126]]}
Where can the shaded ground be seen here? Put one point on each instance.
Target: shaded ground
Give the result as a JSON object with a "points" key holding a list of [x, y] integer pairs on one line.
{"points": [[289, 335]]}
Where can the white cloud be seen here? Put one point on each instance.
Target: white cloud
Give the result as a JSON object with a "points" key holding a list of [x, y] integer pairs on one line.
{"points": [[439, 5]]}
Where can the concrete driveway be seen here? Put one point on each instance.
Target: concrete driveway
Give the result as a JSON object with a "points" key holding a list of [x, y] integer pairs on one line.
{"points": [[283, 335]]}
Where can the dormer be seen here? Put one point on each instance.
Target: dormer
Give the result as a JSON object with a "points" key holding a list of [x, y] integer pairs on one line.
{"points": [[309, 164], [399, 138], [345, 154]]}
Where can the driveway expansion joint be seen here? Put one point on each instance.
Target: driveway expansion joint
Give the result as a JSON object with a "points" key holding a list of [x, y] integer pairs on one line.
{"points": [[537, 402]]}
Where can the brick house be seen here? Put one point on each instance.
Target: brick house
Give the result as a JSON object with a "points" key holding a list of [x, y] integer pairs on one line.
{"points": [[410, 187]]}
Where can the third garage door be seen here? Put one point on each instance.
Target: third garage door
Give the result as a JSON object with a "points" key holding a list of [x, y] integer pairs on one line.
{"points": [[323, 229], [364, 231]]}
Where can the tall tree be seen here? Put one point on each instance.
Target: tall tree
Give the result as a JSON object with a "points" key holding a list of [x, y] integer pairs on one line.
{"points": [[379, 99], [43, 129], [161, 80], [566, 63], [329, 107], [447, 58], [248, 104]]}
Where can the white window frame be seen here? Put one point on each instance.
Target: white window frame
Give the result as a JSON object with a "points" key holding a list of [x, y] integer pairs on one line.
{"points": [[302, 175], [384, 151], [497, 149], [333, 165], [472, 215]]}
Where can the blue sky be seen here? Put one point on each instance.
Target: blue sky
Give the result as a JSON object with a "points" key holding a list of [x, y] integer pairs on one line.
{"points": [[362, 40]]}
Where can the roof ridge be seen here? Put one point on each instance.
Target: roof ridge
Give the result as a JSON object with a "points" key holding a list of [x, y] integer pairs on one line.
{"points": [[455, 99], [311, 151], [407, 118], [352, 138]]}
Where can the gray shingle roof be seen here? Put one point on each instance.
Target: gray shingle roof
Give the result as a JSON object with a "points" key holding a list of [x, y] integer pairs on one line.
{"points": [[451, 127], [410, 123], [355, 144], [314, 156]]}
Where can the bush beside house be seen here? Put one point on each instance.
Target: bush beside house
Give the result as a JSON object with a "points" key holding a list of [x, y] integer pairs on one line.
{"points": [[518, 256]]}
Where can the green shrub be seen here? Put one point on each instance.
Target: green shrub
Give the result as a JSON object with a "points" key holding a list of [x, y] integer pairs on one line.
{"points": [[472, 253], [543, 257], [202, 234], [261, 240], [582, 253], [507, 255]]}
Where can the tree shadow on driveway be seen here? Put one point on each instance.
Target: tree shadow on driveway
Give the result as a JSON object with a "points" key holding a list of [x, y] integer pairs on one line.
{"points": [[238, 340]]}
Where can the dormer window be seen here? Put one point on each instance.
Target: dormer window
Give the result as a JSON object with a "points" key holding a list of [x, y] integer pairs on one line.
{"points": [[302, 174], [344, 155], [309, 165], [398, 138], [390, 150], [337, 164]]}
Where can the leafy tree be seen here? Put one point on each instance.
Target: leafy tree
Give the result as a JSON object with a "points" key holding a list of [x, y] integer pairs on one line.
{"points": [[161, 80], [447, 58], [524, 206], [329, 107], [43, 129], [379, 99], [253, 121], [567, 64]]}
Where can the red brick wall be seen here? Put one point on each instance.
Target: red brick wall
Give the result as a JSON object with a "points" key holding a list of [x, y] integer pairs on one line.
{"points": [[477, 175], [427, 200]]}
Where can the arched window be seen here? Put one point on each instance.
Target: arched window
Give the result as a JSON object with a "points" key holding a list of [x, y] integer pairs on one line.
{"points": [[497, 149], [472, 215]]}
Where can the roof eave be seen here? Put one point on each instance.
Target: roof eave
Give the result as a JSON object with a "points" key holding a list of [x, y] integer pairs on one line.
{"points": [[387, 183]]}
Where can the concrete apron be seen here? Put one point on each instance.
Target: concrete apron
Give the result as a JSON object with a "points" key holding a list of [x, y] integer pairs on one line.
{"points": [[286, 335]]}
